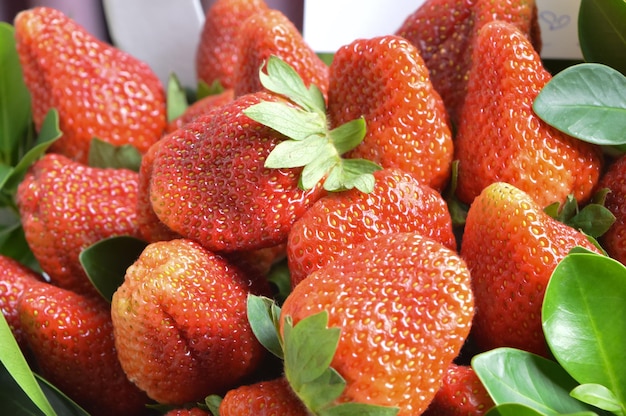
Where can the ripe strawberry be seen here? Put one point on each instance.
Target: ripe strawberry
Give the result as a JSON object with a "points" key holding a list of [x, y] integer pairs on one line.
{"points": [[217, 53], [614, 240], [200, 107], [209, 183], [267, 33], [461, 394], [194, 411], [71, 337], [66, 206], [339, 221], [98, 90], [404, 306], [180, 323], [501, 139], [15, 279], [384, 80], [264, 398], [444, 31], [511, 247]]}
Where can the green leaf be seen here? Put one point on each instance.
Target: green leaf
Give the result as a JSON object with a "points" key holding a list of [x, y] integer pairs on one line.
{"points": [[263, 314], [602, 32], [352, 173], [280, 277], [15, 107], [61, 403], [586, 101], [361, 409], [322, 391], [176, 98], [315, 171], [292, 153], [349, 135], [513, 409], [204, 89], [599, 396], [293, 122], [106, 155], [593, 220], [13, 243], [106, 261], [584, 295], [213, 402], [515, 376]]}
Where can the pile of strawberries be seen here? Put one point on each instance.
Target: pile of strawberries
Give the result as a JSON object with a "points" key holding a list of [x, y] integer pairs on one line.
{"points": [[402, 187]]}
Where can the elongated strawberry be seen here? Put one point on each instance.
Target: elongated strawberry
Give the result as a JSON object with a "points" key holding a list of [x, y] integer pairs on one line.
{"points": [[511, 247], [444, 32], [98, 90], [217, 53], [71, 337], [180, 323], [337, 222], [501, 139], [385, 81], [264, 398], [270, 33], [614, 240], [66, 206], [388, 316], [461, 394]]}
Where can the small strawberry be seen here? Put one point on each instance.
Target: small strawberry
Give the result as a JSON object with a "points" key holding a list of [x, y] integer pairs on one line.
{"points": [[71, 337], [270, 33], [614, 240], [15, 279], [500, 138], [398, 309], [444, 31], [339, 221], [385, 81], [461, 394], [217, 53], [66, 206], [98, 90], [201, 107], [511, 247], [264, 398], [180, 323]]}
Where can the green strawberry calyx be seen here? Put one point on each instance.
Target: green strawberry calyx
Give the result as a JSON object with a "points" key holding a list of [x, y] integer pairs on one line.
{"points": [[307, 349], [311, 143]]}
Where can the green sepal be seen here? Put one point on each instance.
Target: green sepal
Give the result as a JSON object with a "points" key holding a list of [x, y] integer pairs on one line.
{"points": [[263, 315], [293, 122], [204, 90], [352, 173], [106, 155], [176, 98], [349, 135], [593, 219], [292, 153], [212, 403]]}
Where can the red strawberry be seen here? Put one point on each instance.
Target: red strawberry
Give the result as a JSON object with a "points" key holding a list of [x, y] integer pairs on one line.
{"points": [[71, 337], [98, 90], [614, 240], [384, 80], [180, 323], [501, 139], [194, 411], [200, 107], [217, 53], [267, 33], [443, 31], [15, 279], [403, 305], [209, 183], [461, 394], [66, 206], [264, 398], [339, 221], [511, 247]]}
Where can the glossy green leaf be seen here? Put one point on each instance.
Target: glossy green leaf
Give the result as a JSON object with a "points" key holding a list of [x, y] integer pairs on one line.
{"points": [[602, 32], [515, 376], [263, 314], [15, 109], [106, 155], [13, 243], [586, 101], [360, 409], [598, 396], [513, 409], [106, 261], [583, 298], [176, 98]]}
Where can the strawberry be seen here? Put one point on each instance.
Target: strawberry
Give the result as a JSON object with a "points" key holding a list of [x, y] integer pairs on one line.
{"points": [[267, 33], [264, 398], [71, 337], [399, 307], [500, 138], [15, 279], [180, 323], [511, 247], [66, 206], [200, 107], [339, 221], [97, 89], [444, 32], [385, 81], [461, 394], [614, 240], [217, 52], [194, 411]]}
